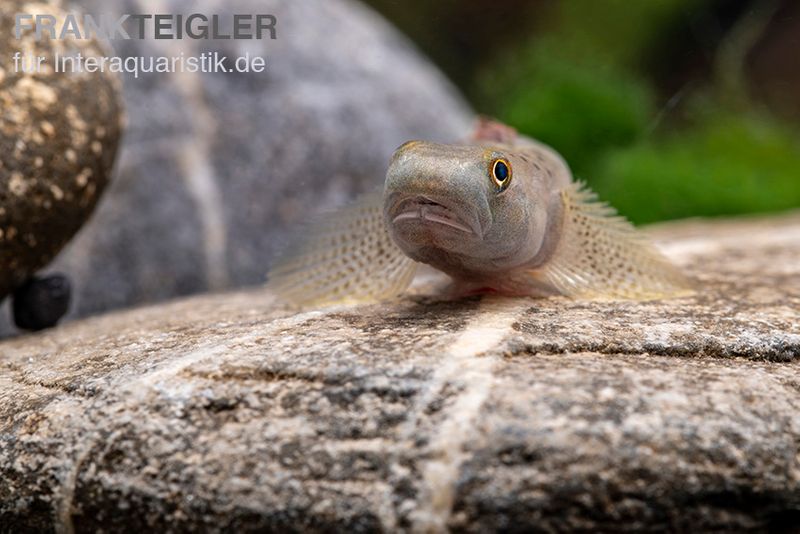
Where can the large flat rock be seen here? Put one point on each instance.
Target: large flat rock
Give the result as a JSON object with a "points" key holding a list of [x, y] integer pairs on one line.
{"points": [[229, 412]]}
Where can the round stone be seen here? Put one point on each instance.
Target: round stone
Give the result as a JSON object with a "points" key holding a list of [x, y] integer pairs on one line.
{"points": [[40, 302], [58, 140], [217, 168]]}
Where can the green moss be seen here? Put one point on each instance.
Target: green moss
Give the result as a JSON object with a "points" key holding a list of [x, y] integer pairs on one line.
{"points": [[579, 87], [573, 84], [581, 110], [725, 166], [580, 75]]}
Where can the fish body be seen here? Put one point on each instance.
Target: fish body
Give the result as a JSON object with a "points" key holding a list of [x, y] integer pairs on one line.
{"points": [[498, 213]]}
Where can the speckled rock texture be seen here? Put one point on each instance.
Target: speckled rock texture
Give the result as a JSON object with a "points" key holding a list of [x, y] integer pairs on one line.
{"points": [[215, 167], [58, 139], [231, 413]]}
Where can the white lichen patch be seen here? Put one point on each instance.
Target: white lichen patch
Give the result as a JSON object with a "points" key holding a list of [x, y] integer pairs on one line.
{"points": [[79, 138], [56, 191], [47, 128], [19, 148], [40, 95], [41, 8], [17, 184], [75, 120], [83, 177], [13, 113]]}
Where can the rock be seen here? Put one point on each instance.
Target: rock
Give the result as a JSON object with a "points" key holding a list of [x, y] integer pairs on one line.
{"points": [[227, 412], [40, 302], [58, 138], [215, 167]]}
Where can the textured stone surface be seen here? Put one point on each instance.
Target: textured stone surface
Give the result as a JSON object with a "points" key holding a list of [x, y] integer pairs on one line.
{"points": [[215, 167], [228, 412], [58, 140]]}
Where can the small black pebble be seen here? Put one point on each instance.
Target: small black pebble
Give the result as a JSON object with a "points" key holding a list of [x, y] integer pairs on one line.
{"points": [[41, 302]]}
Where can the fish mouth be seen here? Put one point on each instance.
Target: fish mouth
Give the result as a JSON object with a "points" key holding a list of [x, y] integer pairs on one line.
{"points": [[427, 210]]}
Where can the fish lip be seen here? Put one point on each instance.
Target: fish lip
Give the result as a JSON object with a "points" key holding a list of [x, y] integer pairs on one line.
{"points": [[426, 209]]}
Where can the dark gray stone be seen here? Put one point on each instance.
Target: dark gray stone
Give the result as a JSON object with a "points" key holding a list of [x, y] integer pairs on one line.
{"points": [[216, 167], [58, 140], [227, 413]]}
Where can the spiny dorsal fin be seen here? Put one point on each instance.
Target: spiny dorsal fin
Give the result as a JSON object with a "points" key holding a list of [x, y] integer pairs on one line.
{"points": [[601, 255], [347, 256]]}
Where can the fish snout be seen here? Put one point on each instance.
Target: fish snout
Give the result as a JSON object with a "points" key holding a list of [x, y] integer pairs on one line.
{"points": [[437, 190]]}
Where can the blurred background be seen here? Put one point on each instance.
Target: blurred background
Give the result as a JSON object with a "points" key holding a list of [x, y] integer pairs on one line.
{"points": [[668, 108]]}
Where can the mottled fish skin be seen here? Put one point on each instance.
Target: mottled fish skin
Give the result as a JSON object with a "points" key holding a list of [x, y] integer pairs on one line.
{"points": [[536, 233]]}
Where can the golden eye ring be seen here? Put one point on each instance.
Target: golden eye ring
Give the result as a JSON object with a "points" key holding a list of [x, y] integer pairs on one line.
{"points": [[501, 173]]}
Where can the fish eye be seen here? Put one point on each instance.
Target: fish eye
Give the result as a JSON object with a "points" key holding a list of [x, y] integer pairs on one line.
{"points": [[501, 173]]}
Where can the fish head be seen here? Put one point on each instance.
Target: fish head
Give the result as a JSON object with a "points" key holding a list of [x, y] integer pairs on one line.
{"points": [[465, 209]]}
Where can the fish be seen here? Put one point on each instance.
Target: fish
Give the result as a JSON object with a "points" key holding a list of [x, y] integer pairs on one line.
{"points": [[499, 213]]}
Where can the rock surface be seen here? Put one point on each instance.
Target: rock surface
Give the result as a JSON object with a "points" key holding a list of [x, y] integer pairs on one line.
{"points": [[215, 167], [58, 139], [227, 412]]}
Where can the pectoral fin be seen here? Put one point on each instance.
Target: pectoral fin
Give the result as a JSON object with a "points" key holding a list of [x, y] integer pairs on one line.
{"points": [[601, 255], [347, 256]]}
